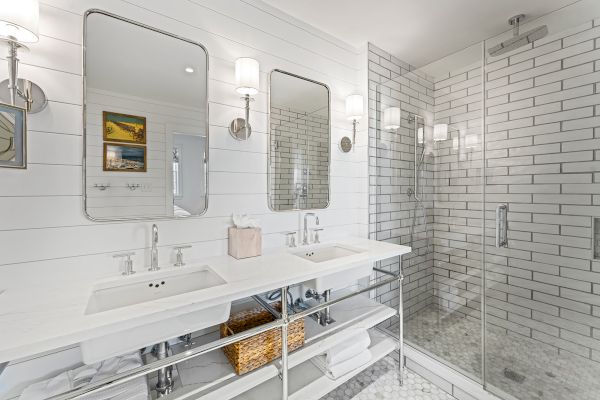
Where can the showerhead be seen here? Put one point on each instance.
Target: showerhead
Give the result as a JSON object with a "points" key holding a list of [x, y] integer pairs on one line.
{"points": [[518, 39]]}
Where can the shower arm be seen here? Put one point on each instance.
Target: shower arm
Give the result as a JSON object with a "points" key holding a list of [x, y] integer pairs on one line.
{"points": [[414, 118]]}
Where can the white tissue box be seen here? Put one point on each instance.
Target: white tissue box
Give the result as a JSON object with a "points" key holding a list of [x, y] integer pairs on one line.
{"points": [[245, 242]]}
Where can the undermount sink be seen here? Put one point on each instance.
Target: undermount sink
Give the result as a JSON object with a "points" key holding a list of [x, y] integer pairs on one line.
{"points": [[320, 254], [145, 288]]}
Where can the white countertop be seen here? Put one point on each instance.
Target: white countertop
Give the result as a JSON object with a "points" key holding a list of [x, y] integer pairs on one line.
{"points": [[46, 318]]}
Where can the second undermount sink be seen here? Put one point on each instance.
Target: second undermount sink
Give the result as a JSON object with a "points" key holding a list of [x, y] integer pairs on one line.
{"points": [[326, 253], [329, 252], [152, 289]]}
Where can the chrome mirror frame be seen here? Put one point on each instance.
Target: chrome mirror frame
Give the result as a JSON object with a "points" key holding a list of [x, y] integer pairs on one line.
{"points": [[84, 111], [270, 133]]}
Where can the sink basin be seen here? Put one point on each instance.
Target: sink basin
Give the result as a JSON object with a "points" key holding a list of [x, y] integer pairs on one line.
{"points": [[141, 290], [327, 253], [338, 280], [152, 288]]}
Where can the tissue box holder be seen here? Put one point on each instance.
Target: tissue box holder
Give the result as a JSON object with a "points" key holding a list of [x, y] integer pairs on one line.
{"points": [[245, 242]]}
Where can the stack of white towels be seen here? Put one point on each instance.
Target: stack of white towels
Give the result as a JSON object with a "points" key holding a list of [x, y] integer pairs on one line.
{"points": [[345, 357], [136, 389]]}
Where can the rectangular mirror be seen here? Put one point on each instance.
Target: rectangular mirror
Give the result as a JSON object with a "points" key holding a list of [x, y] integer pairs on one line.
{"points": [[145, 121], [299, 143], [13, 132]]}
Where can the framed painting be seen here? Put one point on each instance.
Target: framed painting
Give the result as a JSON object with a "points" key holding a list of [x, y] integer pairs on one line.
{"points": [[123, 128], [124, 158]]}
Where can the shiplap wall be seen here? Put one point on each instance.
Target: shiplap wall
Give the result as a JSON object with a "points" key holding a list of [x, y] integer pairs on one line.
{"points": [[154, 197], [45, 238]]}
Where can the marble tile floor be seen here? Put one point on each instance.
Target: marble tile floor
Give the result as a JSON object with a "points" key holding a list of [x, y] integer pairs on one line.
{"points": [[522, 367], [380, 382]]}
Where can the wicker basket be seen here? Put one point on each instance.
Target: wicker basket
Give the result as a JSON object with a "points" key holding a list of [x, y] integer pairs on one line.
{"points": [[254, 352]]}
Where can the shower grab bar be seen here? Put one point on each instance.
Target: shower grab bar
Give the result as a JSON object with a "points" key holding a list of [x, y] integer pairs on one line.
{"points": [[501, 225]]}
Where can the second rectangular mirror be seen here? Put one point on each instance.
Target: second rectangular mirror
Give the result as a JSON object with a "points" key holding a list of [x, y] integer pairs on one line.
{"points": [[299, 143]]}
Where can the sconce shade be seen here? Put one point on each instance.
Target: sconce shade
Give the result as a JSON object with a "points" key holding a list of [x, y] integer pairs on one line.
{"points": [[247, 74], [19, 20], [440, 132], [391, 118], [420, 135], [354, 107]]}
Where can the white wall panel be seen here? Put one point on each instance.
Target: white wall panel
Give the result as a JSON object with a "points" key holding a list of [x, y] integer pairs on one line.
{"points": [[45, 237]]}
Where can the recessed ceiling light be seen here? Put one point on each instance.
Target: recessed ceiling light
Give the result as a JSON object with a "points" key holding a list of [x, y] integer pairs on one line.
{"points": [[189, 70]]}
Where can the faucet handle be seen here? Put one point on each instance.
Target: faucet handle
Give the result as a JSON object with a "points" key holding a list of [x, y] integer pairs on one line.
{"points": [[315, 231], [290, 238], [128, 262], [179, 249]]}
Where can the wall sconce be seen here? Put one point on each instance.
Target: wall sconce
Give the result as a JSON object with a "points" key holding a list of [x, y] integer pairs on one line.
{"points": [[354, 112], [391, 118], [247, 76], [19, 20], [440, 132], [471, 141]]}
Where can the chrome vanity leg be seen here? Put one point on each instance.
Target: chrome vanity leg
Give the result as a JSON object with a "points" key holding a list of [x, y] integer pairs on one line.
{"points": [[165, 382], [284, 344], [400, 326], [326, 312]]}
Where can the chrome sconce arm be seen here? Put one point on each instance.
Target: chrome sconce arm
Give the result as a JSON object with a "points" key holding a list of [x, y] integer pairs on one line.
{"points": [[19, 22], [240, 128]]}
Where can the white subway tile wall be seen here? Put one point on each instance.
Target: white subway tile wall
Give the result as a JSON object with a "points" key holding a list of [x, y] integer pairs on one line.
{"points": [[539, 289], [391, 162]]}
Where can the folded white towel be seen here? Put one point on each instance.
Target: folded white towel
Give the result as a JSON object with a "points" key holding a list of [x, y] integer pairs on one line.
{"points": [[60, 383], [132, 390], [348, 348], [136, 389], [338, 370]]}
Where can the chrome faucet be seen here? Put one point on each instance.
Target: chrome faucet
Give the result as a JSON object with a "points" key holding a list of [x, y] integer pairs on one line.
{"points": [[305, 239], [154, 251]]}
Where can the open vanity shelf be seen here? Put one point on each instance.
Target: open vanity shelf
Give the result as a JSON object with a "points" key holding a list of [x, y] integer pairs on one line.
{"points": [[308, 382], [212, 377]]}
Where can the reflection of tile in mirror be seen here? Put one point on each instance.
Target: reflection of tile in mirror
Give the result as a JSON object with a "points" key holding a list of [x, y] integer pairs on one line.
{"points": [[299, 143]]}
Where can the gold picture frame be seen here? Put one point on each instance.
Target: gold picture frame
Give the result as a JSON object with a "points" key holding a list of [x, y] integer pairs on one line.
{"points": [[123, 128]]}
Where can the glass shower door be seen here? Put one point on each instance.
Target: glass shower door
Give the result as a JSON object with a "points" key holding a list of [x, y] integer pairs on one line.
{"points": [[542, 203], [427, 170]]}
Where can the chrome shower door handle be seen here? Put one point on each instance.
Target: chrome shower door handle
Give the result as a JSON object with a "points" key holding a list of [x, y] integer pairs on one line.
{"points": [[501, 225]]}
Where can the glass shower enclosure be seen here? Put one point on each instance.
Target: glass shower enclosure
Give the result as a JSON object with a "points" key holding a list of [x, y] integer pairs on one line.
{"points": [[492, 175]]}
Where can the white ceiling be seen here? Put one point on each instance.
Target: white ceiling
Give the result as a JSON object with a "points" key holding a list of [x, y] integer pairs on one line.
{"points": [[416, 31], [132, 60]]}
